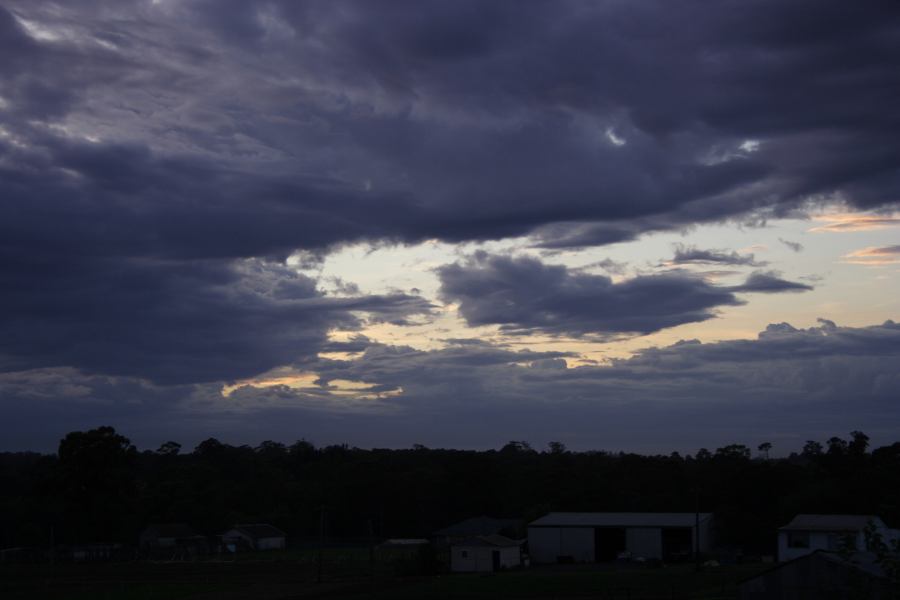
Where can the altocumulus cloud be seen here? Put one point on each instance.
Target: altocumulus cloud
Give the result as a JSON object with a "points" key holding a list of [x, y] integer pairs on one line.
{"points": [[524, 295]]}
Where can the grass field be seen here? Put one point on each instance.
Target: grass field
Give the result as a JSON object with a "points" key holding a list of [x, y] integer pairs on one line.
{"points": [[296, 578]]}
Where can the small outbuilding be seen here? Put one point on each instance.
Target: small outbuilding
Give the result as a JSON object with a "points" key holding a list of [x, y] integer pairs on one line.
{"points": [[477, 526], [485, 553], [603, 537], [254, 536], [165, 535], [807, 533], [820, 574]]}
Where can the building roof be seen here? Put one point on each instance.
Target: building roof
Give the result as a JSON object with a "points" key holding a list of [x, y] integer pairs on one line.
{"points": [[478, 526], [493, 541], [611, 519], [830, 523], [405, 542], [259, 530], [169, 530]]}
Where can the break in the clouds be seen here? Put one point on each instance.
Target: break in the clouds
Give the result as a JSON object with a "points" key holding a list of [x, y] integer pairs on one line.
{"points": [[693, 255], [525, 295]]}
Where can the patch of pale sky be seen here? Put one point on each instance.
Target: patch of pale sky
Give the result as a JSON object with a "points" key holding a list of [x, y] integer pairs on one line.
{"points": [[412, 267], [843, 292]]}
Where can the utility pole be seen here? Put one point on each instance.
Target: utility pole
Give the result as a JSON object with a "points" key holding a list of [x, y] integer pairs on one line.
{"points": [[697, 532], [321, 543]]}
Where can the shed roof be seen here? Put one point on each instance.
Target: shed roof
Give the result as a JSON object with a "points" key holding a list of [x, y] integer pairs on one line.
{"points": [[615, 519], [259, 530], [168, 530], [830, 523], [494, 541], [478, 526], [405, 542]]}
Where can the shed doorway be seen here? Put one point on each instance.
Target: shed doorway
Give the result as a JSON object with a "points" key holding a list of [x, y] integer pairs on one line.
{"points": [[608, 543]]}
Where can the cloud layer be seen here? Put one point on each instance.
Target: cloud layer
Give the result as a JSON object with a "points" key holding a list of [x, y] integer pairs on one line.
{"points": [[786, 386], [160, 161], [524, 295]]}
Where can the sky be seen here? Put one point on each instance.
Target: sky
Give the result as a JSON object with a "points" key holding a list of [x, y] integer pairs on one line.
{"points": [[634, 225]]}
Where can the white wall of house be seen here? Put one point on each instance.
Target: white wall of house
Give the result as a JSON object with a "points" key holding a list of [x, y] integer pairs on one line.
{"points": [[480, 559], [815, 540]]}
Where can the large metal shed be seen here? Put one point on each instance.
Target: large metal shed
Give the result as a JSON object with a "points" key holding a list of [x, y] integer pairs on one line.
{"points": [[601, 537]]}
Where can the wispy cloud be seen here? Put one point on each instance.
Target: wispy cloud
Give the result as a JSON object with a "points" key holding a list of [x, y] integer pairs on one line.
{"points": [[874, 257], [795, 246], [847, 222], [692, 255]]}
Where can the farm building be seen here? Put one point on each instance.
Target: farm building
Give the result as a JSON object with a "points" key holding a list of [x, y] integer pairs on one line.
{"points": [[807, 533], [256, 536], [820, 574], [165, 535], [602, 537], [477, 526], [485, 553]]}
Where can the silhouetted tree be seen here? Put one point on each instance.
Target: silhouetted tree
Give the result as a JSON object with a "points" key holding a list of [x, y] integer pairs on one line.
{"points": [[98, 480], [812, 449], [101, 488], [556, 448], [169, 449], [858, 444]]}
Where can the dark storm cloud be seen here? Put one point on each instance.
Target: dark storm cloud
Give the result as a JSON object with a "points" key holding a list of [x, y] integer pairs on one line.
{"points": [[525, 295], [148, 149], [693, 255], [770, 283], [174, 322]]}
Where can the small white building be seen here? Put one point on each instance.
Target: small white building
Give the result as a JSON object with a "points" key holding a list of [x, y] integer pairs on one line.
{"points": [[256, 536], [807, 533], [485, 553], [602, 537]]}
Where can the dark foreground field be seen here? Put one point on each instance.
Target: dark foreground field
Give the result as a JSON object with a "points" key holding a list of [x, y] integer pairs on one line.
{"points": [[286, 579]]}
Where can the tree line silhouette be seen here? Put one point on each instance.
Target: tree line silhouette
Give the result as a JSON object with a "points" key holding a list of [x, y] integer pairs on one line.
{"points": [[99, 487]]}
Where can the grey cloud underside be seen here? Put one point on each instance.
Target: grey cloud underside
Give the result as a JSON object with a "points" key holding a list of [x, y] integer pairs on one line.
{"points": [[770, 283], [148, 149], [693, 255], [813, 383], [174, 323], [525, 295]]}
